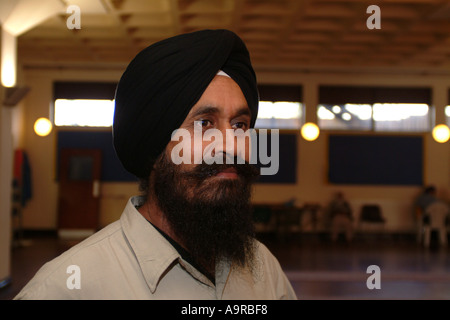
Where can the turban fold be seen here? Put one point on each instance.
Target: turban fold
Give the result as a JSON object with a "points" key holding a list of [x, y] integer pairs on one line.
{"points": [[164, 81]]}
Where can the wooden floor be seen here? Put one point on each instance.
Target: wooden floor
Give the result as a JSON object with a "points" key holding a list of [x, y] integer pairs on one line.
{"points": [[321, 270], [317, 268]]}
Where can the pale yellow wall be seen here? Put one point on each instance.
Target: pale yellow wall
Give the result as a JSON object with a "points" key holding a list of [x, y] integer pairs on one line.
{"points": [[11, 137], [114, 197], [312, 186], [6, 162]]}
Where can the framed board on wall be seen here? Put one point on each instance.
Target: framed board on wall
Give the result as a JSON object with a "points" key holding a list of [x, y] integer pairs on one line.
{"points": [[375, 159], [287, 159], [112, 169]]}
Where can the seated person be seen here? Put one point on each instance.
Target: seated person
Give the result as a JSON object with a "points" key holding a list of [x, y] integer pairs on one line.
{"points": [[341, 217]]}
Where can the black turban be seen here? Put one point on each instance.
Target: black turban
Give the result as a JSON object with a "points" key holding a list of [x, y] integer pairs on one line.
{"points": [[164, 81]]}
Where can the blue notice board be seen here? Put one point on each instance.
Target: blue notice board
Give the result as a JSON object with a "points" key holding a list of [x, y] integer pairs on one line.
{"points": [[112, 169], [375, 160]]}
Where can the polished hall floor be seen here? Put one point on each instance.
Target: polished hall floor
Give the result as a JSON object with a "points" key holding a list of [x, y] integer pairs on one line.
{"points": [[321, 270], [317, 268]]}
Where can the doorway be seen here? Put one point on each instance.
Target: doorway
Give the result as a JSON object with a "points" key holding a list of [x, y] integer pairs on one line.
{"points": [[79, 192]]}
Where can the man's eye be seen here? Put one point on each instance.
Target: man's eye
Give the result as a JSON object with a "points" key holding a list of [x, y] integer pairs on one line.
{"points": [[203, 123], [240, 125]]}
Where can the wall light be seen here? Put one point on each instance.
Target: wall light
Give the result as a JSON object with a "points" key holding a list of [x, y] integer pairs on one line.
{"points": [[310, 131], [8, 59], [441, 133], [43, 127]]}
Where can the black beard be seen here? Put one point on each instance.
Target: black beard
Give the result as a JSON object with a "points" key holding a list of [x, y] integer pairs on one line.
{"points": [[211, 216]]}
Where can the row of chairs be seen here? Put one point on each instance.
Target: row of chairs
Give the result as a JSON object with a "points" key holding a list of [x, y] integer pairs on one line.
{"points": [[436, 219], [371, 219]]}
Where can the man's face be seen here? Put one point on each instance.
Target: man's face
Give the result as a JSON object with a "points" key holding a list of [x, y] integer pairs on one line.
{"points": [[222, 108], [208, 205]]}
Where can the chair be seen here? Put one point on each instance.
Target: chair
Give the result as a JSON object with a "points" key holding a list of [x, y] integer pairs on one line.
{"points": [[262, 216], [371, 217], [262, 213], [437, 212]]}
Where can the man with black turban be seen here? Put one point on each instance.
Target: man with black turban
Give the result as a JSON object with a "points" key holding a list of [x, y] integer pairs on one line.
{"points": [[190, 234]]}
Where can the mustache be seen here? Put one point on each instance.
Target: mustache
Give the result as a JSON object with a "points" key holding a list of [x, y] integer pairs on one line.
{"points": [[244, 169]]}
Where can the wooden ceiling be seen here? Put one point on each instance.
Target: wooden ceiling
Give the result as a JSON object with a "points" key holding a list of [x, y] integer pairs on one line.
{"points": [[289, 34]]}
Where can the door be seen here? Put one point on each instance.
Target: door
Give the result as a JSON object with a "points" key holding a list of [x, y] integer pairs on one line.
{"points": [[79, 189]]}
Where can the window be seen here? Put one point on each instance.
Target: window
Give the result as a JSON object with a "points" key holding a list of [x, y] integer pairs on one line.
{"points": [[447, 113], [84, 104], [280, 107], [374, 108], [409, 117], [84, 112], [279, 115], [346, 117], [447, 108]]}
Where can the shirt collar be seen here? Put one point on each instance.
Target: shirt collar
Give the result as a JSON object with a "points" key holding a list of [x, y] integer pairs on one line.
{"points": [[153, 252]]}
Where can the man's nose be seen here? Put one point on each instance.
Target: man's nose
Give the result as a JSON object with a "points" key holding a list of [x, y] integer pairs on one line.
{"points": [[230, 146], [223, 144]]}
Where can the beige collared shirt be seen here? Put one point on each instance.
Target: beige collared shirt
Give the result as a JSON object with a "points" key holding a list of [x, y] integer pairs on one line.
{"points": [[130, 259]]}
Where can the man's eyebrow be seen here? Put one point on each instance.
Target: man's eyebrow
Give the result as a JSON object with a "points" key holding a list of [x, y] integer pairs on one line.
{"points": [[243, 111], [205, 110]]}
